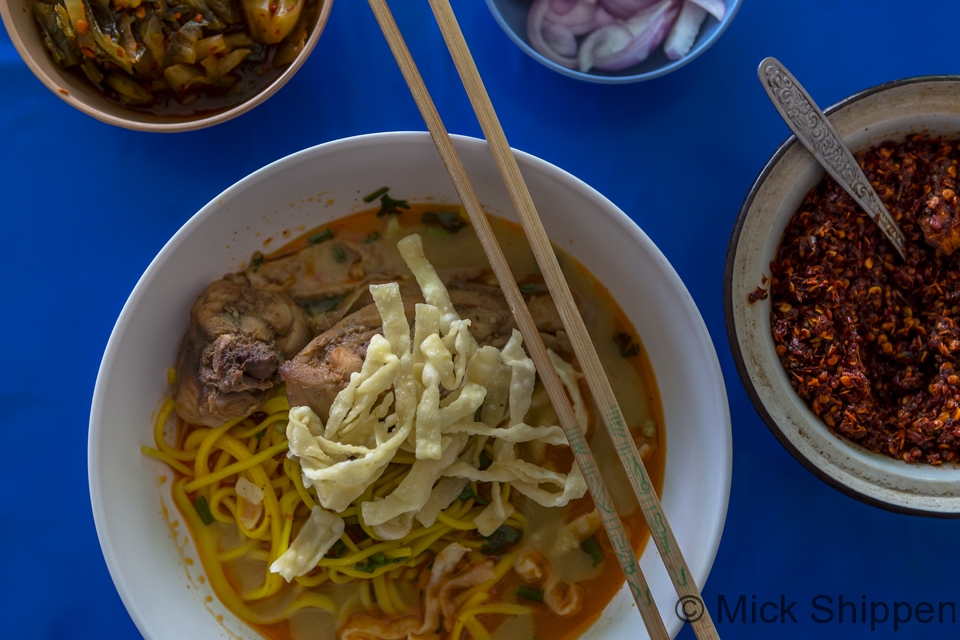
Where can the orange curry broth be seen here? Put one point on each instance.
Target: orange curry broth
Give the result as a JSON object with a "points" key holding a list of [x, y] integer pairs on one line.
{"points": [[599, 591]]}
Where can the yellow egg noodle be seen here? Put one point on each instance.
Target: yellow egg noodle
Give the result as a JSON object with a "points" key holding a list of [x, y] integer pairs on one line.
{"points": [[399, 456]]}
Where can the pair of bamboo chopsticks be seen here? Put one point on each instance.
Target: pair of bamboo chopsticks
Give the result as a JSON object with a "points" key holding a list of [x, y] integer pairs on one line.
{"points": [[690, 605]]}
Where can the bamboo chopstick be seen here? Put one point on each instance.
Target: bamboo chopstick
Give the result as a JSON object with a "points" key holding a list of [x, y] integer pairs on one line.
{"points": [[538, 352], [683, 580]]}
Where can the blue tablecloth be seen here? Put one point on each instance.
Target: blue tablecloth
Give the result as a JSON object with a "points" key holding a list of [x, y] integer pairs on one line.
{"points": [[85, 207]]}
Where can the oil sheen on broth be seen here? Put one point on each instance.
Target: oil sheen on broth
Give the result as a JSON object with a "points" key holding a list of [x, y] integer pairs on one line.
{"points": [[452, 247]]}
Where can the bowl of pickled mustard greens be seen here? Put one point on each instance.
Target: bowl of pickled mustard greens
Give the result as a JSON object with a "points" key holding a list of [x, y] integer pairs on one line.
{"points": [[849, 351], [164, 65]]}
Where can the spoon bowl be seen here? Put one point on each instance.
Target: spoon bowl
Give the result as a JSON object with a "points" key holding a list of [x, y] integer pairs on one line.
{"points": [[814, 130]]}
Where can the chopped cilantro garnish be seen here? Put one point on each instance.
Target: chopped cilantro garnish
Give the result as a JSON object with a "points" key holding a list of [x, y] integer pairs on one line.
{"points": [[529, 593], [485, 461], [339, 254], [203, 509], [373, 236], [373, 563], [504, 536], [259, 434], [591, 548], [468, 494], [389, 206], [530, 287], [338, 550]]}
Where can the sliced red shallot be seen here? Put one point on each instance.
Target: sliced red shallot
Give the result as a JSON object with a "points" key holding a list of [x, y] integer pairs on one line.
{"points": [[619, 33], [579, 16], [535, 33], [685, 30], [616, 47], [623, 9], [716, 8], [560, 39], [605, 42], [571, 13]]}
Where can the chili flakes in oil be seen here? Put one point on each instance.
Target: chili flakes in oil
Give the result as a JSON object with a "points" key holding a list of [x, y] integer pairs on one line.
{"points": [[870, 342]]}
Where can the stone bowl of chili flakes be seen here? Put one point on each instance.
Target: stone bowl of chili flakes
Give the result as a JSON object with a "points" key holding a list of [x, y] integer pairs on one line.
{"points": [[850, 355]]}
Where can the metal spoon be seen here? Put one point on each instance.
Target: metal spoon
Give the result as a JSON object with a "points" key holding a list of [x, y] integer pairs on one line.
{"points": [[814, 130]]}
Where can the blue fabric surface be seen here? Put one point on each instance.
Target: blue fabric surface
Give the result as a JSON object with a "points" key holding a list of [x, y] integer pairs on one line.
{"points": [[85, 207]]}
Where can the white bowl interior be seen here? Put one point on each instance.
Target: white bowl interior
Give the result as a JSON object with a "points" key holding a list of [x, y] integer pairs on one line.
{"points": [[151, 563], [927, 107]]}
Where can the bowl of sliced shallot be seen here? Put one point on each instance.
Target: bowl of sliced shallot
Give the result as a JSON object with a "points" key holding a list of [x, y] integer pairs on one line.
{"points": [[614, 41]]}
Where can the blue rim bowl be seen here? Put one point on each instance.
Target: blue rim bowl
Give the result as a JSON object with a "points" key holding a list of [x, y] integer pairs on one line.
{"points": [[512, 17]]}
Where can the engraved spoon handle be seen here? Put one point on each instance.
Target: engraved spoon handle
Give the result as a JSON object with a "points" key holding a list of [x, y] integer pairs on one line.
{"points": [[814, 130]]}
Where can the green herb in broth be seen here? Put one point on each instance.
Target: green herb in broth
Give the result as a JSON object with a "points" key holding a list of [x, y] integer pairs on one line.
{"points": [[592, 549], [370, 197], [373, 563], [203, 510], [500, 540], [437, 232], [485, 461], [468, 494], [389, 206], [529, 593], [338, 550], [322, 236]]}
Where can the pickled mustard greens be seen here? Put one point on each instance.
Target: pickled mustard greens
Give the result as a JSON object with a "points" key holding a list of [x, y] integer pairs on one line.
{"points": [[162, 56]]}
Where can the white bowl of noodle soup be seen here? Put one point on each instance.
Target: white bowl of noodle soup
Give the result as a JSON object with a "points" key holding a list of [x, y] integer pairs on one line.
{"points": [[147, 547]]}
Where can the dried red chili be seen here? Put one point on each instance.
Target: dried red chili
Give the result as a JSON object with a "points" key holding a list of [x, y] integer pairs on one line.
{"points": [[871, 342], [759, 294]]}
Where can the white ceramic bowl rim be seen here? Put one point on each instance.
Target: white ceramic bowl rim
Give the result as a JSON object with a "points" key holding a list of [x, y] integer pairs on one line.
{"points": [[711, 480], [729, 302]]}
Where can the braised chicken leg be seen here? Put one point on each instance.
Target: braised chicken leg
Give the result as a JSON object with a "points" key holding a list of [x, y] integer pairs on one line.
{"points": [[230, 358]]}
